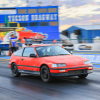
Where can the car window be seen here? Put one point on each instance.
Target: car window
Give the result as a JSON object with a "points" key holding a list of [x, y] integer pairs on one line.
{"points": [[19, 52], [28, 51], [44, 51], [40, 51]]}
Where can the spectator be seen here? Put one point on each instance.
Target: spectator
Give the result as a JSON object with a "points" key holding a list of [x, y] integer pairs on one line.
{"points": [[23, 40], [55, 41], [13, 43], [28, 42], [33, 39]]}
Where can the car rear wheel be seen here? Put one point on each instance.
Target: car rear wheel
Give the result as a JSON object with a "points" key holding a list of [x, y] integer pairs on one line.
{"points": [[83, 76], [14, 69], [45, 74]]}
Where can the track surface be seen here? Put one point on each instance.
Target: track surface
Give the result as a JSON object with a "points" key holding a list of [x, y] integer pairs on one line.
{"points": [[29, 87]]}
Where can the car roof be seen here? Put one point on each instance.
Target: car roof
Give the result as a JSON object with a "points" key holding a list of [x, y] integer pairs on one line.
{"points": [[38, 45]]}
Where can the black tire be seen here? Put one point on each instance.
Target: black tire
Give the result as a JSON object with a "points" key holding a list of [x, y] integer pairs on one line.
{"points": [[14, 69], [45, 74], [83, 76]]}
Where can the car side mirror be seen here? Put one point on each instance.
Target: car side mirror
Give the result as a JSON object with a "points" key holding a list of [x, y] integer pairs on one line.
{"points": [[33, 55]]}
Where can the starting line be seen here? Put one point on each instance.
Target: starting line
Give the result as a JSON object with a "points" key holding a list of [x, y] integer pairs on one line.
{"points": [[5, 57]]}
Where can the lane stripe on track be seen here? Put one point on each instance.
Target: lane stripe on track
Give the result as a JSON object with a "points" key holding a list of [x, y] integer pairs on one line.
{"points": [[4, 60]]}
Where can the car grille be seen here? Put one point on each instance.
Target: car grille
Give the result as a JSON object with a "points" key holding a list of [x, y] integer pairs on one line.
{"points": [[73, 72]]}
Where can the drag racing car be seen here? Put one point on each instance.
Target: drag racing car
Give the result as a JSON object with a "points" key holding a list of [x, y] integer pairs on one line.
{"points": [[48, 61]]}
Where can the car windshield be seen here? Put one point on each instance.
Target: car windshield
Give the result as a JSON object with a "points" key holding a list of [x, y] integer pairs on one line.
{"points": [[44, 51]]}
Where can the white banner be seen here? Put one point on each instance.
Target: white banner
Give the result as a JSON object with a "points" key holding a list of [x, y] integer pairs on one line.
{"points": [[93, 58], [87, 47]]}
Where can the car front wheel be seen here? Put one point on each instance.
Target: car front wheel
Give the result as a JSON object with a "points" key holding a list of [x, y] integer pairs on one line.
{"points": [[83, 76], [45, 74], [14, 69]]}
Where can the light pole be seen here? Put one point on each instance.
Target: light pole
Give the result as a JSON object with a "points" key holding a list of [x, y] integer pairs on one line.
{"points": [[27, 2], [92, 28], [3, 4]]}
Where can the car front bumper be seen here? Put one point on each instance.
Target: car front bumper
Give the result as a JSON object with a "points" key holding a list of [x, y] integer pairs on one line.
{"points": [[73, 73]]}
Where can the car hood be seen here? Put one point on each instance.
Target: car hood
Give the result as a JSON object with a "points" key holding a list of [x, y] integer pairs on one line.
{"points": [[68, 59]]}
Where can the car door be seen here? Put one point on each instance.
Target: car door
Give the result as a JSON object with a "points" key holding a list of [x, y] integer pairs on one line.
{"points": [[29, 63]]}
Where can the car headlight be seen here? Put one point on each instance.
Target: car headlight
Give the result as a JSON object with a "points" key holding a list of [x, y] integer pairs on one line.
{"points": [[87, 62], [59, 65]]}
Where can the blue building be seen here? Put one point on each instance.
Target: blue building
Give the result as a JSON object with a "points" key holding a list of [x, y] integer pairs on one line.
{"points": [[42, 20], [83, 32]]}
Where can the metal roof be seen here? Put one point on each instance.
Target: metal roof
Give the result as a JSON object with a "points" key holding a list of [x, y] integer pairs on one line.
{"points": [[8, 8], [89, 27], [11, 8]]}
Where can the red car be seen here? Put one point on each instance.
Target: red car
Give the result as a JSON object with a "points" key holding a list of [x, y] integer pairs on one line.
{"points": [[48, 61]]}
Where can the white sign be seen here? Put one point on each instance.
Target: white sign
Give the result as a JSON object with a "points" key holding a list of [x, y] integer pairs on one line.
{"points": [[35, 17], [93, 58], [87, 47]]}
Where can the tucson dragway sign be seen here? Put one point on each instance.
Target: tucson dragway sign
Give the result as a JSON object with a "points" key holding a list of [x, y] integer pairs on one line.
{"points": [[34, 17]]}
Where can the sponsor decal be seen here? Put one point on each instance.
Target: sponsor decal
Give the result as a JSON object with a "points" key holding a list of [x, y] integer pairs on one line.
{"points": [[13, 40], [85, 47]]}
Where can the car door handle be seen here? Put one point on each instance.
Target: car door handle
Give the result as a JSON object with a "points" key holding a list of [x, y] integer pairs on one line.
{"points": [[22, 59]]}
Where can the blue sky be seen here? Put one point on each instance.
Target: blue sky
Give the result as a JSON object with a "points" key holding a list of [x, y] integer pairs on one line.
{"points": [[71, 12], [79, 12]]}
